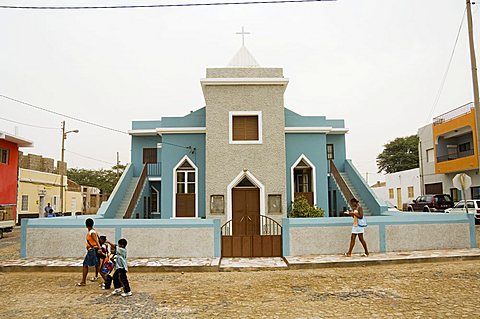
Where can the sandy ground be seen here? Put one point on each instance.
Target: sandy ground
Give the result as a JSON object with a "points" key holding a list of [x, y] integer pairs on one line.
{"points": [[427, 290], [10, 245]]}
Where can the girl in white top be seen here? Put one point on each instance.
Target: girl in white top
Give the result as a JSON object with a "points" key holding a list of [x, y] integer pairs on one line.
{"points": [[356, 213]]}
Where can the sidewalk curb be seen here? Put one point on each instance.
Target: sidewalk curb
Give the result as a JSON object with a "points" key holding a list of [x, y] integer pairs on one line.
{"points": [[373, 262], [216, 266]]}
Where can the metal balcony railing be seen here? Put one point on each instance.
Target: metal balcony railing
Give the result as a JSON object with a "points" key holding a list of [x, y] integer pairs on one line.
{"points": [[454, 156], [154, 169], [459, 111]]}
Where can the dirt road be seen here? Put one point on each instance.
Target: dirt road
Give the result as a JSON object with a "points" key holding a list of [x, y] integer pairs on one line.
{"points": [[428, 290]]}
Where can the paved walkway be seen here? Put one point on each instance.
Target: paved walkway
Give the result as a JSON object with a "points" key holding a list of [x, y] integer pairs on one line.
{"points": [[246, 264]]}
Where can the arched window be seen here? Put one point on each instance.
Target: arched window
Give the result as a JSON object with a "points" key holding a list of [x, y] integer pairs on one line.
{"points": [[185, 189], [303, 179]]}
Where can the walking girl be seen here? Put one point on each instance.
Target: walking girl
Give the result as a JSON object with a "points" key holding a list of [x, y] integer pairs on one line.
{"points": [[356, 213]]}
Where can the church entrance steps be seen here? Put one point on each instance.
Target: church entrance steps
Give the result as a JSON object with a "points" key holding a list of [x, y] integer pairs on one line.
{"points": [[246, 264], [122, 208]]}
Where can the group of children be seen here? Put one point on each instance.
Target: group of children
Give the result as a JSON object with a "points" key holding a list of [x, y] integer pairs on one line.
{"points": [[110, 261]]}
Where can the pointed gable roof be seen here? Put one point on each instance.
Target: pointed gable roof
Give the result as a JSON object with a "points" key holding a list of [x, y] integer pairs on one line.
{"points": [[243, 59]]}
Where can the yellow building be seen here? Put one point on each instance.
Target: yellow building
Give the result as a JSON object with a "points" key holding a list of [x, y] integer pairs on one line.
{"points": [[36, 189], [454, 134], [449, 146]]}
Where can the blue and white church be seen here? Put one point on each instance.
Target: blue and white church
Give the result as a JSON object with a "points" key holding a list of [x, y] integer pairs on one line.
{"points": [[220, 181], [243, 153]]}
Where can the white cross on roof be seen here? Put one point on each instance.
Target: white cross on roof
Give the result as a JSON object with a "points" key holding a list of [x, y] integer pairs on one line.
{"points": [[243, 35]]}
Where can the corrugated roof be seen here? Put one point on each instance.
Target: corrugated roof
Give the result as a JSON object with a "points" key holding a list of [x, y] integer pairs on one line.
{"points": [[243, 59]]}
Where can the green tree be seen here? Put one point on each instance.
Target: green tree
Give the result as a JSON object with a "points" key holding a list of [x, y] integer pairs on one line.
{"points": [[104, 179], [399, 155]]}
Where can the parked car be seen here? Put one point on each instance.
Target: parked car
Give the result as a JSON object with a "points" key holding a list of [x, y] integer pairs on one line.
{"points": [[391, 207], [431, 203], [472, 205]]}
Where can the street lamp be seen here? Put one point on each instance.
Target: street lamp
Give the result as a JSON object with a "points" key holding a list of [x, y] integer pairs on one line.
{"points": [[64, 137]]}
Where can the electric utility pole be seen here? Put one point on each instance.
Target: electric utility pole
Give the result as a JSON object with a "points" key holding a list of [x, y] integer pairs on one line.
{"points": [[473, 62], [61, 168]]}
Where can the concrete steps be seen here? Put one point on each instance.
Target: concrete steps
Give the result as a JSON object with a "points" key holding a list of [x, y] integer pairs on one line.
{"points": [[345, 177], [122, 208]]}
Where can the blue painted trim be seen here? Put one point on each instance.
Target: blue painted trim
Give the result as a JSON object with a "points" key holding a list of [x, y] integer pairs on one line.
{"points": [[382, 239], [110, 222], [406, 218], [286, 236], [217, 244], [118, 233], [473, 232], [23, 239]]}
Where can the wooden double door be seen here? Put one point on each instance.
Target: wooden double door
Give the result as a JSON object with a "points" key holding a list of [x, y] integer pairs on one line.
{"points": [[245, 211], [246, 239]]}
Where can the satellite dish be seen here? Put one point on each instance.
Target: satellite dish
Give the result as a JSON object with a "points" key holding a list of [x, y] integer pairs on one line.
{"points": [[462, 181]]}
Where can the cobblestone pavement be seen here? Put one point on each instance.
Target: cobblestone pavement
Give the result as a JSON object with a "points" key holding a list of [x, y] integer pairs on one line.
{"points": [[10, 245], [420, 290], [426, 290]]}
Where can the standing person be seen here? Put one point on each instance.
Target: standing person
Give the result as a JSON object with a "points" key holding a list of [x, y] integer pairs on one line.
{"points": [[120, 276], [48, 210], [356, 213], [109, 266], [93, 246]]}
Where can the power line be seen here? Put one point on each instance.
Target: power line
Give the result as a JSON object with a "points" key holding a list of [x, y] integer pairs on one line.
{"points": [[84, 121], [442, 84], [64, 115], [160, 5], [37, 126], [91, 158]]}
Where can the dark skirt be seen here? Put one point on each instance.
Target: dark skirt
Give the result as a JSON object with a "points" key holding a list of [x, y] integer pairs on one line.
{"points": [[91, 258]]}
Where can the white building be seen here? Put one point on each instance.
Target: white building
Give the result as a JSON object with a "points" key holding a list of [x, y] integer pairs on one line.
{"points": [[400, 188]]}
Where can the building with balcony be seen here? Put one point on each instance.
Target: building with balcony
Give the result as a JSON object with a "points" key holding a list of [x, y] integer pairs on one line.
{"points": [[449, 146]]}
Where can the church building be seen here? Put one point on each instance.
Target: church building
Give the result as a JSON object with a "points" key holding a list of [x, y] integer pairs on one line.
{"points": [[243, 153]]}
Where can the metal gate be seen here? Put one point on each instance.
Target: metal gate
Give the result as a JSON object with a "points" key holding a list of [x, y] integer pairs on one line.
{"points": [[262, 237]]}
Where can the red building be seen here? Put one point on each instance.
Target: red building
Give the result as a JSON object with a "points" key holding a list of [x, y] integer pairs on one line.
{"points": [[9, 145]]}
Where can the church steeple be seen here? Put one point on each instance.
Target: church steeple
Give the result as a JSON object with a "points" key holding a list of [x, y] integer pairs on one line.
{"points": [[243, 58]]}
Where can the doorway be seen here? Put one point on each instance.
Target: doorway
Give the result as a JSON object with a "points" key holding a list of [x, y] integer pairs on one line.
{"points": [[249, 233]]}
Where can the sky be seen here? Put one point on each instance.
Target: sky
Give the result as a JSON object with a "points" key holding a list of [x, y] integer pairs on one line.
{"points": [[377, 64]]}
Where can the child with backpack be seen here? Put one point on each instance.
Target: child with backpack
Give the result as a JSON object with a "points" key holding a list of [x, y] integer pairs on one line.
{"points": [[101, 255], [109, 266]]}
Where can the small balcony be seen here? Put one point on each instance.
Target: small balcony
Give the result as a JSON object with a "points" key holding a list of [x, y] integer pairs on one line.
{"points": [[455, 140], [453, 114], [455, 155], [455, 152], [154, 171]]}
